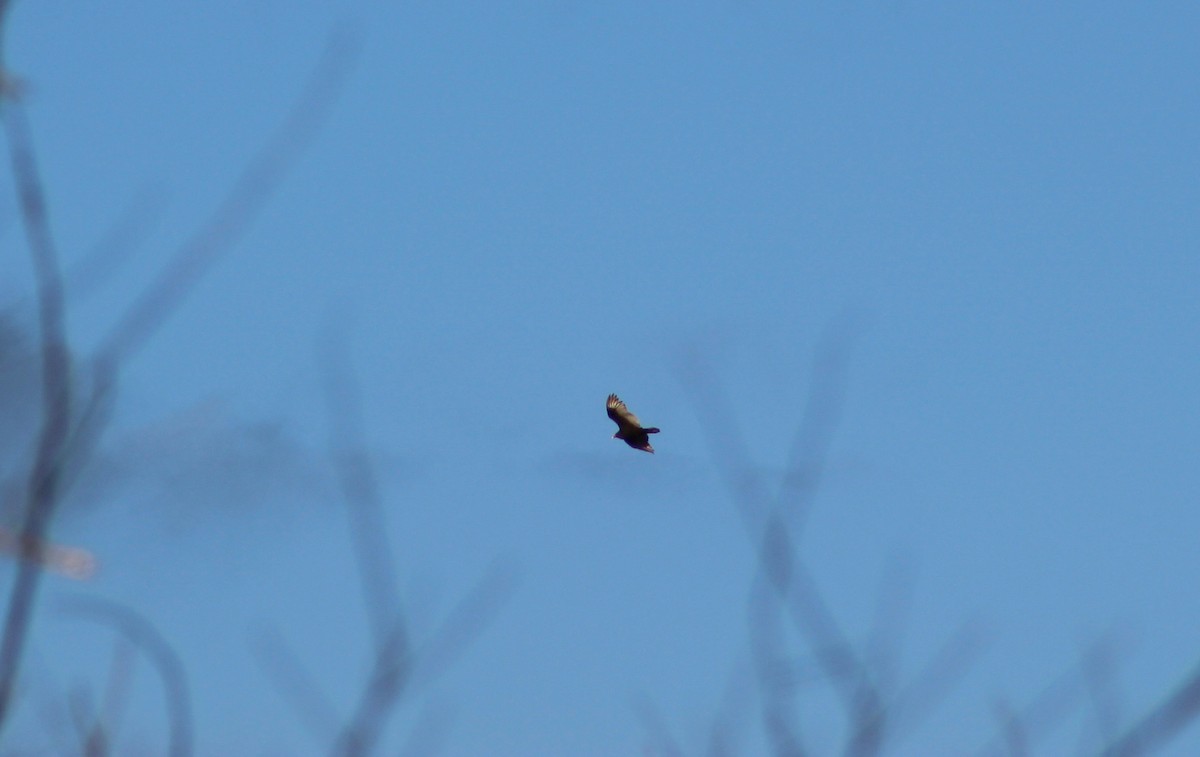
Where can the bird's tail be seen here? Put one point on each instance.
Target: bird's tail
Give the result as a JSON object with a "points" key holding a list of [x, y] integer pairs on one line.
{"points": [[650, 430]]}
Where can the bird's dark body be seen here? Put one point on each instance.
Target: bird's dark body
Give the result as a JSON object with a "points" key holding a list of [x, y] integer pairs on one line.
{"points": [[629, 428], [639, 439]]}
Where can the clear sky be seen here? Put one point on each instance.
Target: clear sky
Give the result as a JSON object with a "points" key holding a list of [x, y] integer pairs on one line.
{"points": [[514, 209]]}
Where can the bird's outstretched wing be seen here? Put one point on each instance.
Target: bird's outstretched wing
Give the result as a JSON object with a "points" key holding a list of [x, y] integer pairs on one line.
{"points": [[625, 420]]}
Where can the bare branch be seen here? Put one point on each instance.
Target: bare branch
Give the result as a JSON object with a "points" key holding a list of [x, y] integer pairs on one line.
{"points": [[822, 414], [230, 221], [428, 735], [1162, 724], [466, 621], [658, 740], [295, 685], [728, 726], [146, 638], [364, 503], [121, 240], [390, 676], [87, 722], [395, 674], [42, 493], [1012, 731], [769, 526], [776, 680], [10, 86], [889, 626], [100, 737], [932, 685], [257, 184], [1048, 711], [1098, 669]]}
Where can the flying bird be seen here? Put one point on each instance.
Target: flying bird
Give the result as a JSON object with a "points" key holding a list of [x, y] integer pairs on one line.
{"points": [[629, 428]]}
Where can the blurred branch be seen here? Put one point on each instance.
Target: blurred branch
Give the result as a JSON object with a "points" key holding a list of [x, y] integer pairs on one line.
{"points": [[428, 735], [42, 493], [87, 722], [1012, 731], [770, 527], [1098, 669], [111, 711], [292, 681], [389, 676], [56, 444], [466, 621], [809, 453], [783, 738], [397, 667], [658, 739], [776, 678], [360, 487], [121, 240], [10, 86], [773, 528], [98, 724], [146, 638], [725, 736], [726, 447], [1048, 711], [932, 685], [1162, 724], [257, 183], [889, 627], [372, 550], [808, 460], [393, 675]]}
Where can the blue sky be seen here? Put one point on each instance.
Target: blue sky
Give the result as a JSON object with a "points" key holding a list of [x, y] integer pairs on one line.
{"points": [[515, 209]]}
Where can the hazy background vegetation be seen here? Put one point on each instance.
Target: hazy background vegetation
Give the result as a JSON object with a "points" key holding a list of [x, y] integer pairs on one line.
{"points": [[911, 290]]}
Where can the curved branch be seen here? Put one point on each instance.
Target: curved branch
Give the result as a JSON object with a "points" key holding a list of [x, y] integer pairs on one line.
{"points": [[146, 637]]}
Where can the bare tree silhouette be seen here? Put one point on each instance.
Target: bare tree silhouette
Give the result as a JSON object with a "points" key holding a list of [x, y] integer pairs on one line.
{"points": [[399, 663], [877, 710], [75, 396], [72, 424]]}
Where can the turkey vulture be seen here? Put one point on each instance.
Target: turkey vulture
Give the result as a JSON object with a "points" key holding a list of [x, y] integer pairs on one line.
{"points": [[629, 427]]}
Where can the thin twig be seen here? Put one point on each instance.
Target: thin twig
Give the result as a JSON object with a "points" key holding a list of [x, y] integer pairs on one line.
{"points": [[257, 183], [364, 503], [115, 247], [1098, 669], [393, 675], [776, 683], [43, 488], [658, 740], [1162, 724], [889, 625], [428, 734], [146, 637], [295, 685], [822, 414], [769, 531], [1049, 710], [87, 721], [102, 734], [469, 617], [389, 677], [728, 726], [936, 679], [230, 221]]}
